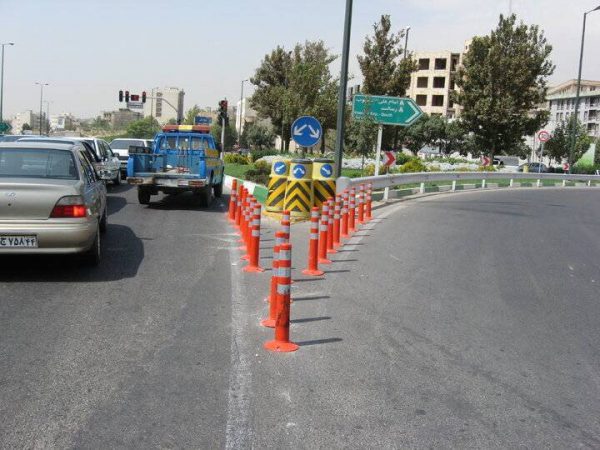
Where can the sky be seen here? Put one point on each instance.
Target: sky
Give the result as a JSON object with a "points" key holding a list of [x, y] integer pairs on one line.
{"points": [[86, 50]]}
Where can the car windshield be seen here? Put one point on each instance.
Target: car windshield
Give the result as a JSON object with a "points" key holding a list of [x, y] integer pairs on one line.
{"points": [[123, 144], [37, 163]]}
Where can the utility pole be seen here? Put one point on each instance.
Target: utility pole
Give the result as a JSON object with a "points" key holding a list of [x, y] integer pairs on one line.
{"points": [[2, 78], [41, 101], [341, 114], [241, 109], [406, 30]]}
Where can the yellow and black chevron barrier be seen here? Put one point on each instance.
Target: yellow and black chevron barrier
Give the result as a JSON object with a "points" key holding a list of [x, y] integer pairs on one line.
{"points": [[323, 181], [299, 191], [277, 186]]}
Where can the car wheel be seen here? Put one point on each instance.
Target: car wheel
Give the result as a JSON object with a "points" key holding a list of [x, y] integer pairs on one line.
{"points": [[218, 189], [93, 255], [104, 220], [118, 179], [143, 196]]}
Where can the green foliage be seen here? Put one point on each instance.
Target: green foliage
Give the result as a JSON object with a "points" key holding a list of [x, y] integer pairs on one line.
{"points": [[369, 170], [402, 158], [502, 81], [255, 155], [294, 83], [259, 173], [361, 135], [486, 169], [235, 158], [589, 169], [257, 136], [25, 127], [190, 115], [414, 165], [230, 135], [559, 145], [144, 128], [262, 166]]}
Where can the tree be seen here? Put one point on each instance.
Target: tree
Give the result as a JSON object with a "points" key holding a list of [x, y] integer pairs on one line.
{"points": [[230, 135], [294, 83], [25, 127], [257, 136], [503, 80], [144, 128], [559, 145], [99, 123], [384, 70], [190, 115], [361, 135]]}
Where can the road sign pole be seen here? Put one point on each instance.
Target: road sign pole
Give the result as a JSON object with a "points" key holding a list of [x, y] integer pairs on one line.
{"points": [[222, 137], [378, 154]]}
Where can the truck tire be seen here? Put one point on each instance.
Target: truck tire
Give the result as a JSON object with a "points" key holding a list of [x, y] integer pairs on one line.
{"points": [[218, 189], [143, 196], [205, 196]]}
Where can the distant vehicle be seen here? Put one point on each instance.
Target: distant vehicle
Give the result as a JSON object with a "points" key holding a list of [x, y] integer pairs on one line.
{"points": [[16, 137], [120, 147], [183, 158], [51, 201], [110, 164], [534, 167]]}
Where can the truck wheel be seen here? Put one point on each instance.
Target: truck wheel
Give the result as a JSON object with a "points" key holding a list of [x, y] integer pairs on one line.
{"points": [[218, 189], [205, 195], [143, 196]]}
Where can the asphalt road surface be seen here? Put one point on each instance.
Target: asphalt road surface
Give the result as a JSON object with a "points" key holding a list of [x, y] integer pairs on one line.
{"points": [[467, 321]]}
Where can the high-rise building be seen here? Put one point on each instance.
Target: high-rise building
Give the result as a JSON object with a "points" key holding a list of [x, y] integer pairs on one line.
{"points": [[561, 103], [433, 81], [164, 104]]}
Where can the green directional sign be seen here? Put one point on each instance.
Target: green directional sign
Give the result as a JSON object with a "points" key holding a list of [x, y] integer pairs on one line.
{"points": [[386, 110], [4, 127]]}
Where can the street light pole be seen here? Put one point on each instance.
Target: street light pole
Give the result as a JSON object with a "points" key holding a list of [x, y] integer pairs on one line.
{"points": [[41, 100], [341, 114], [47, 102], [406, 30], [241, 109], [575, 116], [2, 78]]}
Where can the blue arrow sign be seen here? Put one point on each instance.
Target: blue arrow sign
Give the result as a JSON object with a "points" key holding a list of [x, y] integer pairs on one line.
{"points": [[306, 131], [326, 170], [279, 168], [299, 171]]}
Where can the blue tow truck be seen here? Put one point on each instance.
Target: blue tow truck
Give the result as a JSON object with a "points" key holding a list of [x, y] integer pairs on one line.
{"points": [[182, 158]]}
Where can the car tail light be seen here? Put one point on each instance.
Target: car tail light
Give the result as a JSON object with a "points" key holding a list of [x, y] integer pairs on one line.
{"points": [[71, 206]]}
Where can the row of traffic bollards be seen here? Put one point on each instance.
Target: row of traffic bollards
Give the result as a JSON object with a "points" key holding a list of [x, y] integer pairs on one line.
{"points": [[338, 219]]}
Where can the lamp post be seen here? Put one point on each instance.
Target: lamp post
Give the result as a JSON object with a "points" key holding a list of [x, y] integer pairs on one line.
{"points": [[406, 30], [41, 100], [2, 78], [152, 104], [341, 113], [47, 102], [241, 109], [575, 118]]}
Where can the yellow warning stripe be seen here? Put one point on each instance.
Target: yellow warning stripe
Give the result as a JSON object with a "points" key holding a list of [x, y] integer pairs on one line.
{"points": [[276, 195], [323, 190], [298, 196]]}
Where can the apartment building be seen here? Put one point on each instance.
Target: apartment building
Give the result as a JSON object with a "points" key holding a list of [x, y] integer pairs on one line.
{"points": [[165, 104], [433, 81], [561, 104]]}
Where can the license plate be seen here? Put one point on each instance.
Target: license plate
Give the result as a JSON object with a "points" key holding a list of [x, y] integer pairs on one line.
{"points": [[8, 241]]}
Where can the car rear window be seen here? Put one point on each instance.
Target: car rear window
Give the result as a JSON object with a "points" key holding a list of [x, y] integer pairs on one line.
{"points": [[37, 163], [123, 144]]}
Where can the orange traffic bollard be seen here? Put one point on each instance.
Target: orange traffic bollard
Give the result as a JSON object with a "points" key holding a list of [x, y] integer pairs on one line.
{"points": [[336, 221], [282, 342], [246, 219], [323, 232], [254, 242], [368, 204], [279, 239], [330, 248], [344, 231], [232, 200], [361, 204], [313, 246], [352, 212]]}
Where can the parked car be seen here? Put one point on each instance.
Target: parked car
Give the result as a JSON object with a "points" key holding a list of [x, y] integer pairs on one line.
{"points": [[120, 147], [51, 201], [534, 167]]}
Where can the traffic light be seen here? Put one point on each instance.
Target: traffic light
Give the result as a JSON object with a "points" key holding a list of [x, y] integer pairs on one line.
{"points": [[223, 116], [127, 96], [120, 96], [144, 97]]}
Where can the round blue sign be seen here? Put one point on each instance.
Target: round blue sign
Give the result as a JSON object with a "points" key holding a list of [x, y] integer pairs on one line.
{"points": [[299, 171], [306, 131], [326, 170], [279, 168]]}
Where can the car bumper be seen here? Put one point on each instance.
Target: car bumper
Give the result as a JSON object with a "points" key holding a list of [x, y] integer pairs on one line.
{"points": [[59, 237]]}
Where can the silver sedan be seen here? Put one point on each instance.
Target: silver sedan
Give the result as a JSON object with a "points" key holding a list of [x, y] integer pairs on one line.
{"points": [[51, 200]]}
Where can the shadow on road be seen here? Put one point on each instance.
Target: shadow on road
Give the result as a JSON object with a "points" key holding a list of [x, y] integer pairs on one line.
{"points": [[187, 201], [319, 341], [122, 254], [310, 319]]}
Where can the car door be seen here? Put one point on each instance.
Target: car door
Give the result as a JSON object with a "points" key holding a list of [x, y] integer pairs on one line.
{"points": [[112, 159], [94, 190]]}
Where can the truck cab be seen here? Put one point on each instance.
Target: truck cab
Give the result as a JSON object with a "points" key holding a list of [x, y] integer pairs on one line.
{"points": [[182, 158]]}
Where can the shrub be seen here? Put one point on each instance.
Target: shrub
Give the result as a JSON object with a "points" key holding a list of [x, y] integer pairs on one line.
{"points": [[486, 169], [255, 155], [370, 170], [235, 158], [589, 169], [402, 158], [414, 165], [259, 173], [262, 166]]}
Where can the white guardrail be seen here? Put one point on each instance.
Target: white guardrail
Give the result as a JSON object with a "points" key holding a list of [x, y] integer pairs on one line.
{"points": [[421, 178]]}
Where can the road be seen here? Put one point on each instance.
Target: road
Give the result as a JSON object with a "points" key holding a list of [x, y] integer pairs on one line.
{"points": [[455, 321]]}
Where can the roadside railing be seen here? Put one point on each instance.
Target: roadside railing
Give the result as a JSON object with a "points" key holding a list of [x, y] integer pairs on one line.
{"points": [[422, 178]]}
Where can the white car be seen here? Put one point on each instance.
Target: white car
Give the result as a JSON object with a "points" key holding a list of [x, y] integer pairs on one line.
{"points": [[120, 146], [109, 162]]}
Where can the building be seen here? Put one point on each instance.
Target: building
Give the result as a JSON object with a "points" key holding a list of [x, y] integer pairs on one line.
{"points": [[165, 104], [30, 118], [561, 104], [433, 81], [244, 114], [62, 122], [120, 119]]}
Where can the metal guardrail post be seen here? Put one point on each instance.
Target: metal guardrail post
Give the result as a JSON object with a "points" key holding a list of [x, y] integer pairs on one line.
{"points": [[453, 185], [511, 183], [483, 184], [422, 188]]}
